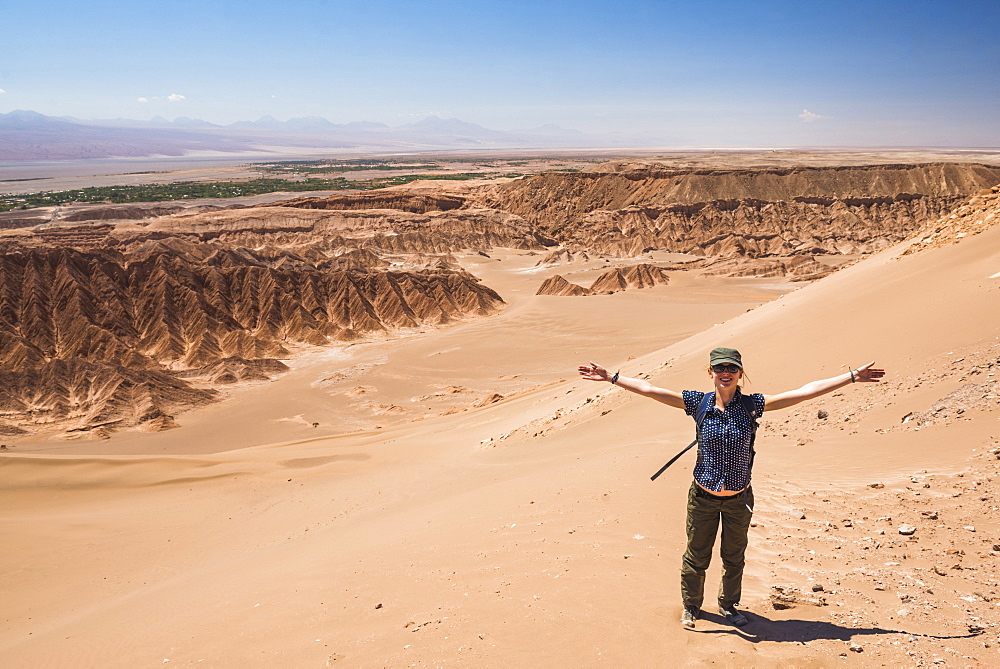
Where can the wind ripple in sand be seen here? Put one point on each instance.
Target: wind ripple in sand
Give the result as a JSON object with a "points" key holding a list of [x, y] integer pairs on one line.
{"points": [[304, 463]]}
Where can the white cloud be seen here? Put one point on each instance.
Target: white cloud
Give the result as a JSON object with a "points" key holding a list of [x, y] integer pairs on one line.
{"points": [[173, 97], [2, 91], [808, 117]]}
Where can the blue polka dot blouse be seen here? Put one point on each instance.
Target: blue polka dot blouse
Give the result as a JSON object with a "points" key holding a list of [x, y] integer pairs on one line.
{"points": [[724, 458]]}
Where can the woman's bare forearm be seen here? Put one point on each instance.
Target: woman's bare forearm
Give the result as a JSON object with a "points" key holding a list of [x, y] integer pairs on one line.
{"points": [[647, 389], [809, 391], [864, 374], [595, 372]]}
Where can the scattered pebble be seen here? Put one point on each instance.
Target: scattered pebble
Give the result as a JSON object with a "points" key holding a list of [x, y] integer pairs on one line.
{"points": [[907, 530]]}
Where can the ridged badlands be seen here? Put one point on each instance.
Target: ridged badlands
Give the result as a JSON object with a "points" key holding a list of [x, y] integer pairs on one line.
{"points": [[626, 208], [112, 322]]}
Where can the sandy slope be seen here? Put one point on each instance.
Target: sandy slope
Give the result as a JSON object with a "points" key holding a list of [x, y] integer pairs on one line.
{"points": [[528, 533]]}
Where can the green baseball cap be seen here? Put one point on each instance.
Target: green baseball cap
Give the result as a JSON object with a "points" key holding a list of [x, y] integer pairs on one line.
{"points": [[721, 356]]}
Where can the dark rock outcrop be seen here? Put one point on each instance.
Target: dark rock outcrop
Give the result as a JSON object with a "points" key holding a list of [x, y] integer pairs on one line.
{"points": [[623, 278], [557, 285]]}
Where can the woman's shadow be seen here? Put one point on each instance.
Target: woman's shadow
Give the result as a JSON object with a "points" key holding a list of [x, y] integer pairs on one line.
{"points": [[801, 631]]}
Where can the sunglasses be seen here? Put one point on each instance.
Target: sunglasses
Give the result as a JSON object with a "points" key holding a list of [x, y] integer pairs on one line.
{"points": [[723, 369]]}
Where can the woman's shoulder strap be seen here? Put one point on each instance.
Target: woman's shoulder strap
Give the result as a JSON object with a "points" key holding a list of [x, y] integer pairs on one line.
{"points": [[707, 400], [749, 403]]}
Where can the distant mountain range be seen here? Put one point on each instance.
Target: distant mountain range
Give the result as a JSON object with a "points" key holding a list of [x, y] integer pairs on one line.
{"points": [[28, 135]]}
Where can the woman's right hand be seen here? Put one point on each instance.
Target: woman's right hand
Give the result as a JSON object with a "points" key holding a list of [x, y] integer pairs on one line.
{"points": [[594, 372]]}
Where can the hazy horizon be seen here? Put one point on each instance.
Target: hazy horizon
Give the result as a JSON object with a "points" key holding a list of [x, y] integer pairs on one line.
{"points": [[716, 74]]}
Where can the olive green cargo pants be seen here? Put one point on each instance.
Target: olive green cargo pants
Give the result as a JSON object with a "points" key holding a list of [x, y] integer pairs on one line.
{"points": [[704, 511]]}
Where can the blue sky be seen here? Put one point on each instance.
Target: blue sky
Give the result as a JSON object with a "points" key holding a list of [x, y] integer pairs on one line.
{"points": [[781, 73]]}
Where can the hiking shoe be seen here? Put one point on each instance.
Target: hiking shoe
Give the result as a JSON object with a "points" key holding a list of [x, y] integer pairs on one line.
{"points": [[732, 616], [689, 615]]}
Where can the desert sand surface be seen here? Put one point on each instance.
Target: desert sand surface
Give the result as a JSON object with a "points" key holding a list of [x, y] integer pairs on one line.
{"points": [[465, 500]]}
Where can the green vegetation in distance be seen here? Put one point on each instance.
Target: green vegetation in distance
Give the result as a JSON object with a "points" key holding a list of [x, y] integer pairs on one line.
{"points": [[334, 166], [184, 190]]}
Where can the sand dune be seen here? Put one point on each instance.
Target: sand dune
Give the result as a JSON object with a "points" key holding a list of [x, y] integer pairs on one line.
{"points": [[526, 531]]}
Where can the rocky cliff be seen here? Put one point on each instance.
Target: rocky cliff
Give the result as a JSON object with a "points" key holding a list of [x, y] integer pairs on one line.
{"points": [[379, 230], [418, 203], [979, 213], [626, 208]]}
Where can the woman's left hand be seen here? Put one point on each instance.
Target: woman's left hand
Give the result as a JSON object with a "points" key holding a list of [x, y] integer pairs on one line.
{"points": [[594, 372], [868, 373]]}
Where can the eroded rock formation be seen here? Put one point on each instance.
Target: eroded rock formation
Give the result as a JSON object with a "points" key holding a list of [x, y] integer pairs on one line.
{"points": [[623, 278], [979, 213], [795, 268], [611, 281], [561, 257], [418, 203], [102, 338], [625, 209], [558, 285], [376, 230]]}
